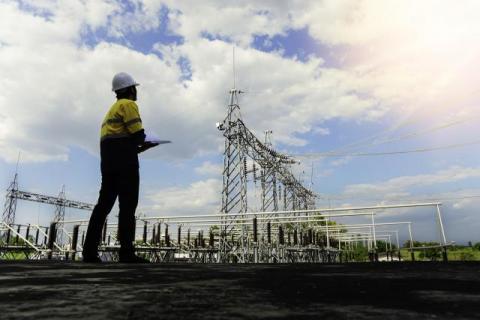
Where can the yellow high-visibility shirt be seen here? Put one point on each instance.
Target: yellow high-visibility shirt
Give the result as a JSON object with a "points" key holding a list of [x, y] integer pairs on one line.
{"points": [[122, 120]]}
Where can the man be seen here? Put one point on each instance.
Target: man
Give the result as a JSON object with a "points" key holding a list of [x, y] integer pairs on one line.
{"points": [[122, 137]]}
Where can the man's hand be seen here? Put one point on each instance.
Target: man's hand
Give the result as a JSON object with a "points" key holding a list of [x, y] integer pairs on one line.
{"points": [[146, 145]]}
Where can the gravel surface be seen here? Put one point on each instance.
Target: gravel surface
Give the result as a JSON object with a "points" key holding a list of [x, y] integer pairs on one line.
{"points": [[75, 290]]}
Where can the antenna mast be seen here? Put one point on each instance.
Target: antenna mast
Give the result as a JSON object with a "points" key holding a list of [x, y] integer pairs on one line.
{"points": [[233, 65], [18, 161]]}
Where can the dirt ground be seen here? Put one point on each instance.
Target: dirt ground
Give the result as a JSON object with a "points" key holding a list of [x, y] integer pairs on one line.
{"points": [[74, 290]]}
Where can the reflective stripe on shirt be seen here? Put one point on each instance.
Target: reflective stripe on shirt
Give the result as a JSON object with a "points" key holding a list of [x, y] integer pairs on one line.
{"points": [[122, 120], [133, 121], [111, 121]]}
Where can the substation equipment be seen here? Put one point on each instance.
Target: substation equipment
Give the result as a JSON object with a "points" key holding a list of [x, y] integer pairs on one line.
{"points": [[32, 241], [281, 225]]}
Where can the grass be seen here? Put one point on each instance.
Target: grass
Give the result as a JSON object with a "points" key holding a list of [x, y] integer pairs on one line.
{"points": [[454, 254]]}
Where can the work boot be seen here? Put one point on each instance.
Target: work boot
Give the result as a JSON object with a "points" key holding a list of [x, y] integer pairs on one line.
{"points": [[131, 258]]}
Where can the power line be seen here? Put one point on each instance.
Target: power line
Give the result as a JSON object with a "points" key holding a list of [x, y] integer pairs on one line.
{"points": [[419, 133], [367, 142], [367, 154]]}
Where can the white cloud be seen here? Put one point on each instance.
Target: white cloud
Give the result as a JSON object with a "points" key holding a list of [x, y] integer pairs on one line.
{"points": [[408, 57], [400, 186], [288, 103], [340, 162], [416, 56], [238, 21], [210, 169], [463, 203], [55, 93], [288, 96], [64, 79], [200, 197], [321, 131], [145, 16], [118, 18]]}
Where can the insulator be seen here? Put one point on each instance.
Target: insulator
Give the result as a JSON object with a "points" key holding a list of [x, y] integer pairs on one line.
{"points": [[179, 235], [211, 240], [280, 235], [245, 167], [167, 238], [18, 232], [269, 232], [254, 173]]}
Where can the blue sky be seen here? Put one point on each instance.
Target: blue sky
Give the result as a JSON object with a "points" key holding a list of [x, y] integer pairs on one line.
{"points": [[317, 77]]}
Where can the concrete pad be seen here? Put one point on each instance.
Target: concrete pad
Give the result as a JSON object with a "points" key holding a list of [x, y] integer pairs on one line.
{"points": [[74, 290]]}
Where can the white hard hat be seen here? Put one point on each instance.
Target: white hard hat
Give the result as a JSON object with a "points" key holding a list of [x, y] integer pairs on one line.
{"points": [[122, 80]]}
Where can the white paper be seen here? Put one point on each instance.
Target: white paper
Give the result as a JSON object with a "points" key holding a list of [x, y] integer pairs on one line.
{"points": [[152, 137], [160, 141]]}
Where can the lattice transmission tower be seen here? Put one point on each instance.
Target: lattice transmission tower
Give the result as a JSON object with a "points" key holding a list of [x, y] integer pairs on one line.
{"points": [[274, 174], [234, 191], [60, 203], [10, 206]]}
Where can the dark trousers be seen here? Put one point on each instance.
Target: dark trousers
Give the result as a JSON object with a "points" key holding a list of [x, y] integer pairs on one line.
{"points": [[125, 185]]}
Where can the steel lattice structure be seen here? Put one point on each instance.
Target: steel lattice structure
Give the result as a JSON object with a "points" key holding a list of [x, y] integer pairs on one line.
{"points": [[287, 228], [60, 203], [10, 207], [275, 175]]}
